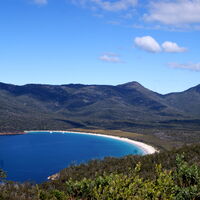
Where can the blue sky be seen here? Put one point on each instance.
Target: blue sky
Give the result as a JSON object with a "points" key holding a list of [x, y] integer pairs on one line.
{"points": [[154, 42]]}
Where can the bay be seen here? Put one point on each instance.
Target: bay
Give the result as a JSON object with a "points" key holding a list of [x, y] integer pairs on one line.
{"points": [[37, 155]]}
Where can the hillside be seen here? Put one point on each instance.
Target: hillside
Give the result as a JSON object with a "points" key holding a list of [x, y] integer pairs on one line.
{"points": [[129, 110], [128, 107], [169, 175], [188, 101]]}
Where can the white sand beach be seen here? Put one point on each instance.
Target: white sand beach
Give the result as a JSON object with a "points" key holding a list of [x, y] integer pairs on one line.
{"points": [[147, 149]]}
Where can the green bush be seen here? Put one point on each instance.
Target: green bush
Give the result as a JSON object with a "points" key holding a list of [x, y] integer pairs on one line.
{"points": [[187, 178], [122, 187], [179, 183]]}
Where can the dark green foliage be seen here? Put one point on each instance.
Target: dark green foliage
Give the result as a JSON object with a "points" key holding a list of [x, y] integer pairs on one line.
{"points": [[187, 178], [188, 100], [123, 165], [162, 119], [170, 177], [100, 107], [120, 186], [166, 185]]}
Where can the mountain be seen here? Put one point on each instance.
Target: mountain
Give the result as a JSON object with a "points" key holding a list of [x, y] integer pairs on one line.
{"points": [[187, 101], [126, 106]]}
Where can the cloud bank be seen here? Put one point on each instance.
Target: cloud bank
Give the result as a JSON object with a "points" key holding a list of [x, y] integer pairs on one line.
{"points": [[113, 6], [110, 57], [149, 44], [163, 14], [192, 66], [176, 12]]}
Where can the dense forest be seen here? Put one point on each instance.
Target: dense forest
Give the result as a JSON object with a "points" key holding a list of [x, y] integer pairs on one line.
{"points": [[169, 175]]}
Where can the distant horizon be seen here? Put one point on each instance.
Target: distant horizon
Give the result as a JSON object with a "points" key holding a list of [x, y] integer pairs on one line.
{"points": [[88, 84]]}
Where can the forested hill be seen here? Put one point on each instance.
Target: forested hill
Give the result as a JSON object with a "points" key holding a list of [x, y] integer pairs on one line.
{"points": [[77, 105]]}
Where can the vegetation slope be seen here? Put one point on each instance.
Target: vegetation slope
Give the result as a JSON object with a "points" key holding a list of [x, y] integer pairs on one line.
{"points": [[168, 175], [125, 110], [128, 107]]}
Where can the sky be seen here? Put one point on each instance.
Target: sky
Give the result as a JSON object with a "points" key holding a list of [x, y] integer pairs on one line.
{"points": [[110, 42]]}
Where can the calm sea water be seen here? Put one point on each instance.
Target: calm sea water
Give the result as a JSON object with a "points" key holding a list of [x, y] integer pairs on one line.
{"points": [[37, 155]]}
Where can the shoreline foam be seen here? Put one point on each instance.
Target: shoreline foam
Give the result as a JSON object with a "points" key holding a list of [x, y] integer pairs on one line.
{"points": [[147, 149]]}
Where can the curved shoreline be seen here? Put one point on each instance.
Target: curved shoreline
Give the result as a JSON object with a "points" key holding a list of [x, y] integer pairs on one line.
{"points": [[11, 133], [147, 149]]}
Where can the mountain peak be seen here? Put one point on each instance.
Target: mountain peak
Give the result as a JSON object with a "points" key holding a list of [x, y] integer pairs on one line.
{"points": [[131, 85], [195, 88]]}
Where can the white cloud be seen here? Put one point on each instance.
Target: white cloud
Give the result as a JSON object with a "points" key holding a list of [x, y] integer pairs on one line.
{"points": [[167, 15], [110, 57], [191, 66], [119, 5], [176, 12], [172, 47], [147, 43], [40, 2]]}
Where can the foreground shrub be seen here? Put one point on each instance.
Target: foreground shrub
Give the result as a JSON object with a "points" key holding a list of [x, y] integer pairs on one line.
{"points": [[187, 178], [120, 186], [180, 183]]}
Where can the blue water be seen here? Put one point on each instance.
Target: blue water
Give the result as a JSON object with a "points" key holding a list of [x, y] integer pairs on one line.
{"points": [[37, 155]]}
